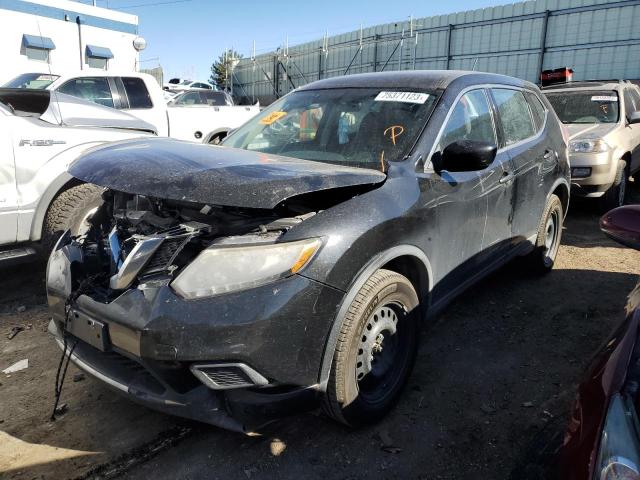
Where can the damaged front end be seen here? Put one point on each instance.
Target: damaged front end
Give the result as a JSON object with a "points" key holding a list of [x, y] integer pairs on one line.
{"points": [[193, 309]]}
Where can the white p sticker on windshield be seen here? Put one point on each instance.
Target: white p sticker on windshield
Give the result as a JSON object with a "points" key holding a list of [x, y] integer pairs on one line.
{"points": [[405, 97], [604, 98]]}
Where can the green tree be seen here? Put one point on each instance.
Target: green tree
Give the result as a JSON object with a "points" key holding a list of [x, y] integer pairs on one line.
{"points": [[221, 69]]}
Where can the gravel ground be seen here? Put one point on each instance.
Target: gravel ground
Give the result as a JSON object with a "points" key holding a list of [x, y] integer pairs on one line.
{"points": [[497, 368]]}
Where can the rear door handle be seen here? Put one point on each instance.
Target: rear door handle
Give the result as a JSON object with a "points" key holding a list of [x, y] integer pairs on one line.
{"points": [[506, 177]]}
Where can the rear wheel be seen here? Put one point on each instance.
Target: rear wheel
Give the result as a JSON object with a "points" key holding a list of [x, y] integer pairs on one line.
{"points": [[549, 236], [70, 210], [615, 196], [375, 351]]}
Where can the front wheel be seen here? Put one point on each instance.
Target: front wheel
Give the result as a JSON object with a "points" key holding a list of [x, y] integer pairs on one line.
{"points": [[615, 196], [70, 210], [549, 236], [375, 351]]}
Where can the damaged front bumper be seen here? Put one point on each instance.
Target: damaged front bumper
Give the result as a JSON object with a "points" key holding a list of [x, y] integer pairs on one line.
{"points": [[236, 360]]}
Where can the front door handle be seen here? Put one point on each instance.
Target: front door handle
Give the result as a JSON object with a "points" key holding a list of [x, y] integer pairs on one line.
{"points": [[547, 154], [506, 177]]}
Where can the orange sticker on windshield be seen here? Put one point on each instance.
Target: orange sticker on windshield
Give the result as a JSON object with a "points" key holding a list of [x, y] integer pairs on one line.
{"points": [[272, 117], [395, 132]]}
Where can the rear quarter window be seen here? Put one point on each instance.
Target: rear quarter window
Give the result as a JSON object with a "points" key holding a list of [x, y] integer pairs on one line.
{"points": [[137, 92], [538, 112]]}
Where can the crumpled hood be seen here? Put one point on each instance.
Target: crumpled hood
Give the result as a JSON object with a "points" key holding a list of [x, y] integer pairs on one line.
{"points": [[590, 130], [177, 170]]}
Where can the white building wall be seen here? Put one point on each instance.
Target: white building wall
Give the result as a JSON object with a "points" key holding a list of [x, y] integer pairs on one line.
{"points": [[56, 19]]}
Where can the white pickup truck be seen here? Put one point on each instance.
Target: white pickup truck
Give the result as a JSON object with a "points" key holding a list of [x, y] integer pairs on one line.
{"points": [[140, 95], [40, 134]]}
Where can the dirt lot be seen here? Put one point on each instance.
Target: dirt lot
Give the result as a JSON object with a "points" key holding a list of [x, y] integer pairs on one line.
{"points": [[499, 365]]}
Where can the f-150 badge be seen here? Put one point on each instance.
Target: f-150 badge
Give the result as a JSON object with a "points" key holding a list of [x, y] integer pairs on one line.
{"points": [[41, 143]]}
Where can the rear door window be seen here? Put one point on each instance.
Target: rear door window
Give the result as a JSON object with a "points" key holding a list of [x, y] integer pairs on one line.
{"points": [[94, 89], [515, 117], [137, 92]]}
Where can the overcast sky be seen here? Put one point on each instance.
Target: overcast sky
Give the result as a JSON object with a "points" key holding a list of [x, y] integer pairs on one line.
{"points": [[187, 35]]}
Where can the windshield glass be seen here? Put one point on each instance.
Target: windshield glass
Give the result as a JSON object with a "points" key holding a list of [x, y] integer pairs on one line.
{"points": [[361, 127], [212, 99], [185, 82], [593, 106], [36, 81]]}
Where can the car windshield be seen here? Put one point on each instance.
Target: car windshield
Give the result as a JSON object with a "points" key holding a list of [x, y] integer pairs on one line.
{"points": [[186, 82], [592, 106], [361, 127], [212, 99], [36, 81]]}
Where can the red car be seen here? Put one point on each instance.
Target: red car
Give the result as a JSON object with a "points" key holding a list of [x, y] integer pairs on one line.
{"points": [[602, 441]]}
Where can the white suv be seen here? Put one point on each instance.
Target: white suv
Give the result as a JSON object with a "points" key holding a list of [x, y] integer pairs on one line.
{"points": [[40, 134]]}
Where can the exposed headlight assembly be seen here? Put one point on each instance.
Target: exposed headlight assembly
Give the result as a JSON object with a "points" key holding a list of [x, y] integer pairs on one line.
{"points": [[223, 269], [619, 445], [588, 146]]}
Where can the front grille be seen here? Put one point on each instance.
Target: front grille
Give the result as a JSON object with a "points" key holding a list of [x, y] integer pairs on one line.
{"points": [[165, 254]]}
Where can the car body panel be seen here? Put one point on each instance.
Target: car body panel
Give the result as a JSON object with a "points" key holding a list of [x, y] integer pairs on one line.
{"points": [[604, 378], [211, 175]]}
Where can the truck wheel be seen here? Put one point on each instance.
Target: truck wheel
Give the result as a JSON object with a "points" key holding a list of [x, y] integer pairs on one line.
{"points": [[375, 351], [69, 211], [217, 138], [615, 196], [543, 257]]}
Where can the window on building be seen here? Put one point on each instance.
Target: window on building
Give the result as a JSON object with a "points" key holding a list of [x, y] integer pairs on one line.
{"points": [[98, 57], [37, 48], [137, 93], [94, 89], [101, 63]]}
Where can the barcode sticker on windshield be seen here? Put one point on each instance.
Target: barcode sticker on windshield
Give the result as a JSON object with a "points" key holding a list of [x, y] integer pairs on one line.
{"points": [[405, 97], [604, 98]]}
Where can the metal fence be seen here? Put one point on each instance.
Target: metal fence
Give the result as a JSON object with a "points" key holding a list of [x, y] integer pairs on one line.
{"points": [[596, 38]]}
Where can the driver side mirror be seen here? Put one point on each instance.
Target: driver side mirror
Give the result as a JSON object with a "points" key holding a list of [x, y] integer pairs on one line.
{"points": [[466, 156], [634, 117], [622, 224]]}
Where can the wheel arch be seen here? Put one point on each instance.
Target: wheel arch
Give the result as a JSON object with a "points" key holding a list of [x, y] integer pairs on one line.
{"points": [[407, 260], [61, 184], [215, 133], [562, 191]]}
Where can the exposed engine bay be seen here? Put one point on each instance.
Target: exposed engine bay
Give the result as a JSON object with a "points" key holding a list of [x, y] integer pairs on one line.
{"points": [[135, 239]]}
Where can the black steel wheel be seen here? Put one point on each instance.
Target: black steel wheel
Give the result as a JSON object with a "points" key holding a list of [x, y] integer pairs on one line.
{"points": [[376, 350]]}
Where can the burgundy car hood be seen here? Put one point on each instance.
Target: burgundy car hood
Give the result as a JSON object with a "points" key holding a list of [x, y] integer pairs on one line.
{"points": [[177, 170]]}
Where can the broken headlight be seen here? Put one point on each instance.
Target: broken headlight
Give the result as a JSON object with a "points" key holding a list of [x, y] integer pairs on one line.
{"points": [[225, 269]]}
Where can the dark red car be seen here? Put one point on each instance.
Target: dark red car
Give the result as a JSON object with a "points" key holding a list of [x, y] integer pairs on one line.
{"points": [[602, 441]]}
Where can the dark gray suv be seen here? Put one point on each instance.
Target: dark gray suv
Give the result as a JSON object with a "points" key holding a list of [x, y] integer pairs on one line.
{"points": [[294, 264]]}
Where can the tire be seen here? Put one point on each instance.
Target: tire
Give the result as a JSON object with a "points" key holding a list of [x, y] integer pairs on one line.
{"points": [[549, 236], [615, 196], [217, 138], [355, 396], [69, 211]]}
